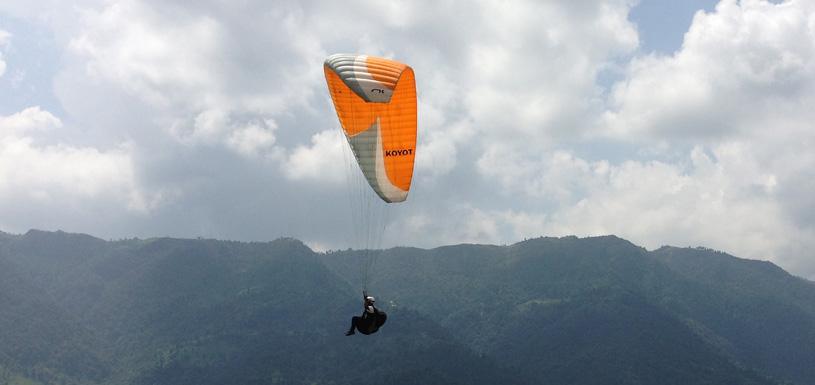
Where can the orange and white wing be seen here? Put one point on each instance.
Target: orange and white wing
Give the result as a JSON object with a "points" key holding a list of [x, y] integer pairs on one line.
{"points": [[375, 100]]}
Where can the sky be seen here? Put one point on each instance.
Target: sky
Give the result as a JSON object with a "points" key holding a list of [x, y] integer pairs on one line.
{"points": [[684, 123]]}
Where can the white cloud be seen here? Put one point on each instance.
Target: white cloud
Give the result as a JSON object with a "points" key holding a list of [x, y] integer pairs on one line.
{"points": [[253, 138], [4, 39], [528, 76], [61, 176], [747, 60], [558, 176], [205, 82], [247, 136], [462, 224], [718, 198], [438, 149], [161, 57], [742, 85], [327, 159], [27, 120], [722, 200], [492, 85]]}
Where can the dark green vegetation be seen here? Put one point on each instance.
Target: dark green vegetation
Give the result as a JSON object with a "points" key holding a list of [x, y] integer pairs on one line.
{"points": [[78, 310]]}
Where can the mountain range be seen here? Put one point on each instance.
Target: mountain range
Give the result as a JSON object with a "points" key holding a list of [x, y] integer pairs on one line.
{"points": [[75, 309]]}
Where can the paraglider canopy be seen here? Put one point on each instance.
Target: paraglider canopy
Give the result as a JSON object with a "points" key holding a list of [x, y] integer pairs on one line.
{"points": [[375, 100]]}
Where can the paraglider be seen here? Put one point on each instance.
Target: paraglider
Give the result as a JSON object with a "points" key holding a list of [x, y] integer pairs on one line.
{"points": [[375, 101], [371, 319]]}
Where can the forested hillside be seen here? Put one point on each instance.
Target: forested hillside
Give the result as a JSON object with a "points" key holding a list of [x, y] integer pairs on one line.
{"points": [[79, 310]]}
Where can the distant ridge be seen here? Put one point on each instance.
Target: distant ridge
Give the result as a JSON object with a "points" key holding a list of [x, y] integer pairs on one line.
{"points": [[75, 309]]}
